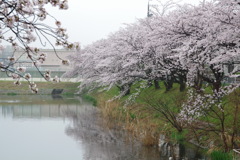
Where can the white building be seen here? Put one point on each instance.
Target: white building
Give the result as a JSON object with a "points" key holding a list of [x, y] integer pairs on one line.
{"points": [[52, 63]]}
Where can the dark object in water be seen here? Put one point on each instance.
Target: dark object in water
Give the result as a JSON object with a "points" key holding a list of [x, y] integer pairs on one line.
{"points": [[57, 91]]}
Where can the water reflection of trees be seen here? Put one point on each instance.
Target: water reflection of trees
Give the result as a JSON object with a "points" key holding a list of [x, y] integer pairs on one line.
{"points": [[101, 143], [36, 107], [179, 151]]}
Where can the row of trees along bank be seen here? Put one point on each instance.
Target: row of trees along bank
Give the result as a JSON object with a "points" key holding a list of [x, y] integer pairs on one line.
{"points": [[191, 46]]}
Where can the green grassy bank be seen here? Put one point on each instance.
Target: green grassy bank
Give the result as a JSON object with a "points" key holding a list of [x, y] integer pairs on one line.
{"points": [[8, 88], [138, 118], [145, 118]]}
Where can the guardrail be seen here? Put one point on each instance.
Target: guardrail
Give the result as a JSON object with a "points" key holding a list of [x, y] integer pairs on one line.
{"points": [[236, 154]]}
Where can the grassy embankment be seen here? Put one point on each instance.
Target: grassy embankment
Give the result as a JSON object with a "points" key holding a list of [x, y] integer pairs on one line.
{"points": [[139, 119], [146, 123], [8, 88]]}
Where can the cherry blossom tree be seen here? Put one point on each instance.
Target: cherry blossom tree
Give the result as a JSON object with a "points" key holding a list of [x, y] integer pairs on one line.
{"points": [[21, 24], [125, 57], [101, 65], [212, 40], [188, 45]]}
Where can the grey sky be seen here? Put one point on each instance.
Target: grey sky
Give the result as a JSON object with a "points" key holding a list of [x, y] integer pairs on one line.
{"points": [[89, 20]]}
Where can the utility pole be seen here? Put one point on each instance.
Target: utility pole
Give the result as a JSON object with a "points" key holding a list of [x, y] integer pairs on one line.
{"points": [[203, 3], [148, 10]]}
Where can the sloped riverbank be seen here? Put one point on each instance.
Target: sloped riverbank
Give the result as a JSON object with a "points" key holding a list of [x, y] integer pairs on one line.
{"points": [[153, 113]]}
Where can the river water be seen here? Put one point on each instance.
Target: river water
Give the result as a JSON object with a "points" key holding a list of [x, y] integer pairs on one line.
{"points": [[57, 128]]}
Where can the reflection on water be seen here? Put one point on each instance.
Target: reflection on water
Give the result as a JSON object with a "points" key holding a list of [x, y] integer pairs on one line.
{"points": [[32, 128], [45, 127], [37, 111], [103, 144], [182, 151], [59, 128]]}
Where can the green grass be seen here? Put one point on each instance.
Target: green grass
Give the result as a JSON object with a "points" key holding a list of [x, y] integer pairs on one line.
{"points": [[146, 93], [9, 87], [111, 93], [173, 100], [90, 99], [218, 155], [12, 94], [179, 137], [132, 115]]}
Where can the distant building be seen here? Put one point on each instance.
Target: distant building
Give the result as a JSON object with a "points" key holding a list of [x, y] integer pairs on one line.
{"points": [[52, 63]]}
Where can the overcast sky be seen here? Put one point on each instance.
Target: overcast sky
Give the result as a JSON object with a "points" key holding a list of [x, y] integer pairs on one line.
{"points": [[89, 20]]}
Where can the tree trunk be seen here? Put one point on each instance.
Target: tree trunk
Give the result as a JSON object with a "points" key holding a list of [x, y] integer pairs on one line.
{"points": [[127, 92], [156, 84], [168, 84], [235, 119], [217, 85], [149, 83], [223, 134], [125, 89], [226, 149], [198, 83], [182, 84]]}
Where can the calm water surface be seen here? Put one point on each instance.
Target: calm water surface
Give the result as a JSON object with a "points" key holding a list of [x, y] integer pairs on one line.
{"points": [[47, 128], [56, 128]]}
